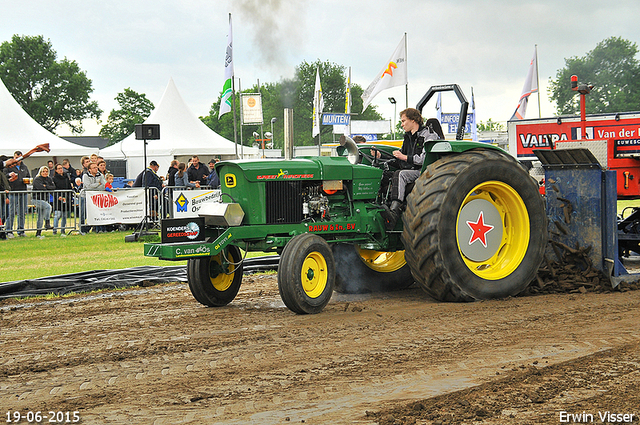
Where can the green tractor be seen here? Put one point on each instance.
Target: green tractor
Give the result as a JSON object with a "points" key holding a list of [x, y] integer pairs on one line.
{"points": [[474, 227]]}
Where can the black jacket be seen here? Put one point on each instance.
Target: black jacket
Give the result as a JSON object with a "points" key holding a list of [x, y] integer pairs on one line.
{"points": [[171, 176], [23, 172], [198, 174], [44, 185], [62, 198]]}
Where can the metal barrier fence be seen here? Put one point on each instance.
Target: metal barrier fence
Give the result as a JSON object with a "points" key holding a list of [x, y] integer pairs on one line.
{"points": [[59, 211]]}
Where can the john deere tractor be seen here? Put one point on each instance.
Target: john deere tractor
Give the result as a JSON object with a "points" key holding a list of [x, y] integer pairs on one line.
{"points": [[474, 227]]}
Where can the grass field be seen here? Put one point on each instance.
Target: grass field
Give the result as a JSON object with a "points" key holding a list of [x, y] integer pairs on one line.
{"points": [[30, 257]]}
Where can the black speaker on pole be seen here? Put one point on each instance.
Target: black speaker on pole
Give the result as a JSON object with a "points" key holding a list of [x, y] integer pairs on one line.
{"points": [[147, 131], [144, 132]]}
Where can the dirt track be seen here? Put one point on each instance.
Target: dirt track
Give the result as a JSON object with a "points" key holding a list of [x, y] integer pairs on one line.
{"points": [[154, 355]]}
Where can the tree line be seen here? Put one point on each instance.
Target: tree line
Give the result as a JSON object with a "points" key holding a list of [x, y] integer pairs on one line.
{"points": [[55, 92]]}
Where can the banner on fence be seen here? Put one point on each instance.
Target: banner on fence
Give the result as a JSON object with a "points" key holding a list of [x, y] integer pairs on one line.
{"points": [[187, 203], [122, 206]]}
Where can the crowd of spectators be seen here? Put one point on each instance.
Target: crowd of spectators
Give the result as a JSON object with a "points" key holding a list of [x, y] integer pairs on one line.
{"points": [[52, 190]]}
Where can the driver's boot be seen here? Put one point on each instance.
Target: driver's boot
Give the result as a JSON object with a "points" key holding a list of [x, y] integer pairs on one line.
{"points": [[391, 214]]}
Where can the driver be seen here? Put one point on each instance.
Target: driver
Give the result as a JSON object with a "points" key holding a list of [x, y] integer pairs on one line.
{"points": [[408, 160]]}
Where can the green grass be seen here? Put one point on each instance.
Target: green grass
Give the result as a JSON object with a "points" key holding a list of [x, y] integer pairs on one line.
{"points": [[30, 257]]}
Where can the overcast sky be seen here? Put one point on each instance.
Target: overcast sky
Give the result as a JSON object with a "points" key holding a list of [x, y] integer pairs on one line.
{"points": [[486, 45]]}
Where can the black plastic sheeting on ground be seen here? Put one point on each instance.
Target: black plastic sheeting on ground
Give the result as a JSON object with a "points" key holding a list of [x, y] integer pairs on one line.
{"points": [[116, 278]]}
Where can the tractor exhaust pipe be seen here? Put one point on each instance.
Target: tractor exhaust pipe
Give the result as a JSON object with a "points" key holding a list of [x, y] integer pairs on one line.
{"points": [[352, 148], [288, 133]]}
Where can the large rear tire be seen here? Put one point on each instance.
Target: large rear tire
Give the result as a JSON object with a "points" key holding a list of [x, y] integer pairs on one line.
{"points": [[306, 274], [215, 281], [361, 270], [475, 227]]}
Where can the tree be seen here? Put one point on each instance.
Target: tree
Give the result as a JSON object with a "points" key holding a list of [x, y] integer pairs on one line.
{"points": [[51, 92], [490, 126], [612, 68], [134, 109]]}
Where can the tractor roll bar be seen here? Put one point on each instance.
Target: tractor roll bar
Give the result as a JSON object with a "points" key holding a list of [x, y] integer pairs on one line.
{"points": [[464, 104]]}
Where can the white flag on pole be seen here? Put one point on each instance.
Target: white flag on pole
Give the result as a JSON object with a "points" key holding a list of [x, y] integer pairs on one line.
{"points": [[227, 90], [530, 86], [392, 75], [474, 124], [318, 105], [439, 107]]}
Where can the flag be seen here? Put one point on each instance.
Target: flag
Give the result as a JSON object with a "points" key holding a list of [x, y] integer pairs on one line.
{"points": [[227, 89], [318, 105], [347, 103], [439, 107], [474, 120], [393, 74], [530, 86]]}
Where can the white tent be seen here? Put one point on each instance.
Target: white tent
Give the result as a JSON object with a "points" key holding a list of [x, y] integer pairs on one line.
{"points": [[20, 132], [182, 135]]}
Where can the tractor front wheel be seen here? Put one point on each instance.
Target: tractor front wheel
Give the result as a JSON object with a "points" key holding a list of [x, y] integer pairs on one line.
{"points": [[306, 274], [475, 227], [215, 281]]}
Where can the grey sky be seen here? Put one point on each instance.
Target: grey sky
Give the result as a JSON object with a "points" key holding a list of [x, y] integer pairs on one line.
{"points": [[484, 44]]}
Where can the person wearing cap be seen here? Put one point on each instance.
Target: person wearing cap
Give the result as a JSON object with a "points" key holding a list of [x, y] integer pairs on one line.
{"points": [[213, 180]]}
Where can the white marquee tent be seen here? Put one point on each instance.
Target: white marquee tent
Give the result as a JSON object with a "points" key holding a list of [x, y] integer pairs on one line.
{"points": [[20, 132], [182, 135]]}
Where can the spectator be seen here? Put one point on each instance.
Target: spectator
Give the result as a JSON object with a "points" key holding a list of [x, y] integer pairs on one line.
{"points": [[108, 186], [5, 187], [171, 173], [43, 186], [17, 201], [151, 179], [92, 180], [69, 171], [102, 167], [94, 158], [197, 172], [50, 166], [182, 177], [62, 201], [213, 180], [85, 161], [77, 181]]}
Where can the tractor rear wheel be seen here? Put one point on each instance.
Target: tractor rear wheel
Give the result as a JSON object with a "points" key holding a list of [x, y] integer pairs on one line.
{"points": [[475, 227], [306, 274], [362, 270], [215, 281]]}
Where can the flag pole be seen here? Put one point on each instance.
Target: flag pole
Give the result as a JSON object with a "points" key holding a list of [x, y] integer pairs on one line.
{"points": [[241, 144], [406, 58], [233, 105], [538, 82]]}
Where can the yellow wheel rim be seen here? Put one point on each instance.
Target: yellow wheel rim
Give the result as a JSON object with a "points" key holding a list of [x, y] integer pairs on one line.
{"points": [[510, 216], [381, 261], [314, 274], [219, 279]]}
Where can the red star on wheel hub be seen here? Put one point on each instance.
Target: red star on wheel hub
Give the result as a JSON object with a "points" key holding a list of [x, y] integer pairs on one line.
{"points": [[480, 230]]}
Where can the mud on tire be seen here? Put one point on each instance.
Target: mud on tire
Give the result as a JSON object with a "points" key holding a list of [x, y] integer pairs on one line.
{"points": [[475, 227]]}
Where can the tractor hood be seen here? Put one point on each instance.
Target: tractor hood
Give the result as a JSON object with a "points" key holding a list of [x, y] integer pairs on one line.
{"points": [[311, 168]]}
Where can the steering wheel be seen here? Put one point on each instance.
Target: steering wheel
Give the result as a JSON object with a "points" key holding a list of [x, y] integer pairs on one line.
{"points": [[374, 159]]}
